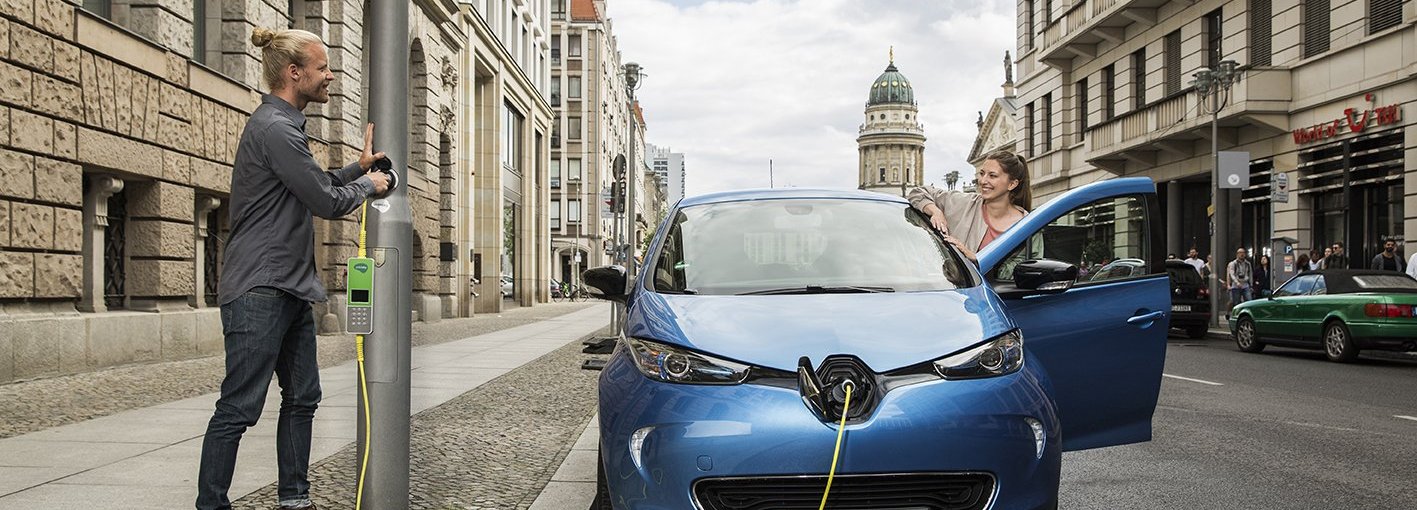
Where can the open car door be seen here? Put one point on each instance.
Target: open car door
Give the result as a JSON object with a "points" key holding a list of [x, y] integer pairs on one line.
{"points": [[1101, 341]]}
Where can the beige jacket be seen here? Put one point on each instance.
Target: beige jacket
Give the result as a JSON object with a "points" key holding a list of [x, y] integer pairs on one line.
{"points": [[963, 211]]}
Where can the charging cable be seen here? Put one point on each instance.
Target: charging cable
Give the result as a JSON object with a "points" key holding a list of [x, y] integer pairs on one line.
{"points": [[836, 453], [363, 385]]}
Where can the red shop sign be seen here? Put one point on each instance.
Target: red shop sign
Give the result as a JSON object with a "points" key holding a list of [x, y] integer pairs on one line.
{"points": [[1351, 122]]}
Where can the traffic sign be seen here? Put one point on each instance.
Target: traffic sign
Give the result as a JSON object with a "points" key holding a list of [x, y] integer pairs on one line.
{"points": [[1279, 188]]}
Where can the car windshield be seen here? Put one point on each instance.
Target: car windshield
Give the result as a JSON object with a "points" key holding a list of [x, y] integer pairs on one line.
{"points": [[804, 246]]}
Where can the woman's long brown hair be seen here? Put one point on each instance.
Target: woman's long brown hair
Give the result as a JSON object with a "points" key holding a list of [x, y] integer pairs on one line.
{"points": [[1017, 168]]}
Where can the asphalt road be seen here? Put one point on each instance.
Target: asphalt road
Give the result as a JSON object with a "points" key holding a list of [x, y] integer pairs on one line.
{"points": [[1283, 429]]}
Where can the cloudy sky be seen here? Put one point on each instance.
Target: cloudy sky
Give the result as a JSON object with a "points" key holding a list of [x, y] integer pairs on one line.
{"points": [[734, 83]]}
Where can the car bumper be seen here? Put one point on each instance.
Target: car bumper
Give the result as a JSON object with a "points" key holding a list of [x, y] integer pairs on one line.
{"points": [[1385, 336], [697, 432]]}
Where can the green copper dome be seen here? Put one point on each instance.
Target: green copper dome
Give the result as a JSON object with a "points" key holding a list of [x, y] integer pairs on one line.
{"points": [[891, 88]]}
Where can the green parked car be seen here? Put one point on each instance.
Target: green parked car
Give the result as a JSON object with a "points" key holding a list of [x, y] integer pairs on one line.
{"points": [[1338, 310]]}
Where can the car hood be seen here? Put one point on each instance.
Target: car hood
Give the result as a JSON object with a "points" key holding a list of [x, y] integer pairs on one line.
{"points": [[885, 330]]}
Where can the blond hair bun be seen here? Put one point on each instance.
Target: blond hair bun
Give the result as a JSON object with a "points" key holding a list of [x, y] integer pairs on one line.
{"points": [[262, 37]]}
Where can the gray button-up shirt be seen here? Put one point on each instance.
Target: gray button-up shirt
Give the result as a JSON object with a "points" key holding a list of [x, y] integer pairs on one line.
{"points": [[276, 186]]}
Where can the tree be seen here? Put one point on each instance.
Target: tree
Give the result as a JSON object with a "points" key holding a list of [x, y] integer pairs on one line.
{"points": [[952, 178]]}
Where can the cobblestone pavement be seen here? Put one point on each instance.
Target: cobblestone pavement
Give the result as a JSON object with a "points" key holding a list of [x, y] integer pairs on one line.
{"points": [[39, 404], [495, 447]]}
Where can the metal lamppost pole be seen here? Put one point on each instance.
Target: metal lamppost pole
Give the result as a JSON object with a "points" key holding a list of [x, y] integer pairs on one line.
{"points": [[1214, 85], [633, 79]]}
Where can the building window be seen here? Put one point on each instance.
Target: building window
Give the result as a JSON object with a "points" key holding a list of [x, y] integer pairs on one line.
{"points": [[555, 214], [1261, 14], [511, 138], [1383, 14], [1316, 27], [558, 9], [1139, 79], [573, 212], [1214, 34], [1029, 30], [574, 46], [1047, 122], [555, 91], [573, 87], [211, 256], [556, 49], [882, 177], [1173, 63], [1109, 92], [573, 128], [115, 252], [100, 7], [1032, 130], [1081, 92], [573, 170], [555, 173]]}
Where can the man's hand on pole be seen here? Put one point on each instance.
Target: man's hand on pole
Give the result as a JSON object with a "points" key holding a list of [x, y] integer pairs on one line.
{"points": [[367, 159]]}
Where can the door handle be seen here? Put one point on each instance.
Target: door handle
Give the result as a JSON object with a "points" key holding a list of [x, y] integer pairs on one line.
{"points": [[1139, 319]]}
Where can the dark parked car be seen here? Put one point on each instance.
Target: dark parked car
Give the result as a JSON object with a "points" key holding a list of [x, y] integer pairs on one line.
{"points": [[1190, 300]]}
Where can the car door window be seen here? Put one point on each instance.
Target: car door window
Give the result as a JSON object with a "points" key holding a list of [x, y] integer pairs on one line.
{"points": [[1319, 287], [1297, 287], [1106, 239]]}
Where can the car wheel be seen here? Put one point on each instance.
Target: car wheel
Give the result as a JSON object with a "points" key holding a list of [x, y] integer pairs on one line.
{"points": [[1197, 331], [1245, 337], [602, 489], [1338, 343]]}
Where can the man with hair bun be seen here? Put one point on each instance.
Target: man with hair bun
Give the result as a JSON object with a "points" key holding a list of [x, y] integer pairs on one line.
{"points": [[268, 273]]}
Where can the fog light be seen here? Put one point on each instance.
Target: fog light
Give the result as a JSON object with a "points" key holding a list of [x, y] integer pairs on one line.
{"points": [[637, 442], [1037, 427]]}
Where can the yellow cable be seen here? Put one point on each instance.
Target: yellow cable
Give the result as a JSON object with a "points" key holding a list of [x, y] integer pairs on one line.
{"points": [[836, 453], [364, 386]]}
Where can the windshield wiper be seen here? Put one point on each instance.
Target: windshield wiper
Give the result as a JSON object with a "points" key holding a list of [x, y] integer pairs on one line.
{"points": [[819, 289]]}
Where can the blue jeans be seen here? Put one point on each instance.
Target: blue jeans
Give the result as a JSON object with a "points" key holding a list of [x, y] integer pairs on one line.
{"points": [[267, 332], [1239, 295]]}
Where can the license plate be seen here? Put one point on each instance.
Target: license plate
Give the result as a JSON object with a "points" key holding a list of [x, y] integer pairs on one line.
{"points": [[1180, 308]]}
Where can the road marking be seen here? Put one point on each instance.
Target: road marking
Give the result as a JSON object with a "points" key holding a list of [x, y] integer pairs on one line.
{"points": [[1404, 417], [1193, 380]]}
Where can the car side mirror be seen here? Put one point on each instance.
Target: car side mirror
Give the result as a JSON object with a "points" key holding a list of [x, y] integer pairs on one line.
{"points": [[607, 282], [1045, 276]]}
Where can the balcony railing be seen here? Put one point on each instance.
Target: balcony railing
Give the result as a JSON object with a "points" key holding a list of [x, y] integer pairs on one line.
{"points": [[1090, 22], [1259, 100]]}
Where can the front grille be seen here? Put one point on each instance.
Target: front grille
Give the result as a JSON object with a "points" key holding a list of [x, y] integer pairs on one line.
{"points": [[915, 491]]}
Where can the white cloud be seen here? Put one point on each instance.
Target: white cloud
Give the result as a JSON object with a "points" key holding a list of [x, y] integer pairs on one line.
{"points": [[734, 84]]}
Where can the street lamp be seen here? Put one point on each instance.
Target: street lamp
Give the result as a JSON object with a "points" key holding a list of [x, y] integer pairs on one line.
{"points": [[1214, 85], [634, 77]]}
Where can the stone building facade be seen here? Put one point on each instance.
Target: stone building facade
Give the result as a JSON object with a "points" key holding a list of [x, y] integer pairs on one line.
{"points": [[118, 126], [891, 143], [1324, 99], [591, 137]]}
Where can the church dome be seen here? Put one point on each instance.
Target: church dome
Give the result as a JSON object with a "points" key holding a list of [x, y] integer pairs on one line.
{"points": [[891, 88]]}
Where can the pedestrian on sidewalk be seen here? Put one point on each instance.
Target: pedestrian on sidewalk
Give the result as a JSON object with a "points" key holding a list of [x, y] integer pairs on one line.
{"points": [[970, 221], [1338, 259], [1388, 259], [268, 276], [1316, 261], [1262, 275], [1238, 278], [1194, 259], [1412, 265]]}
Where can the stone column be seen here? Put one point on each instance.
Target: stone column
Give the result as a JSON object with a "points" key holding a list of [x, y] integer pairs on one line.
{"points": [[95, 224], [201, 229]]}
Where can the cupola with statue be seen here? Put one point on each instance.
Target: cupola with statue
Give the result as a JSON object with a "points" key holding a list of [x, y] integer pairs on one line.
{"points": [[891, 141]]}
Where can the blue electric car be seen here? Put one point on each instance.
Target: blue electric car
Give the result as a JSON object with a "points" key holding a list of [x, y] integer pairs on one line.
{"points": [[756, 309]]}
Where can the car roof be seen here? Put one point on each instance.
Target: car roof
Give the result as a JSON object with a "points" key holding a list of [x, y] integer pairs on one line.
{"points": [[781, 193], [1340, 281]]}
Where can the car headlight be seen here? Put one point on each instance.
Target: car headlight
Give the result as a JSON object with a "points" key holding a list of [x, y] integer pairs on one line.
{"points": [[1002, 355], [673, 364]]}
